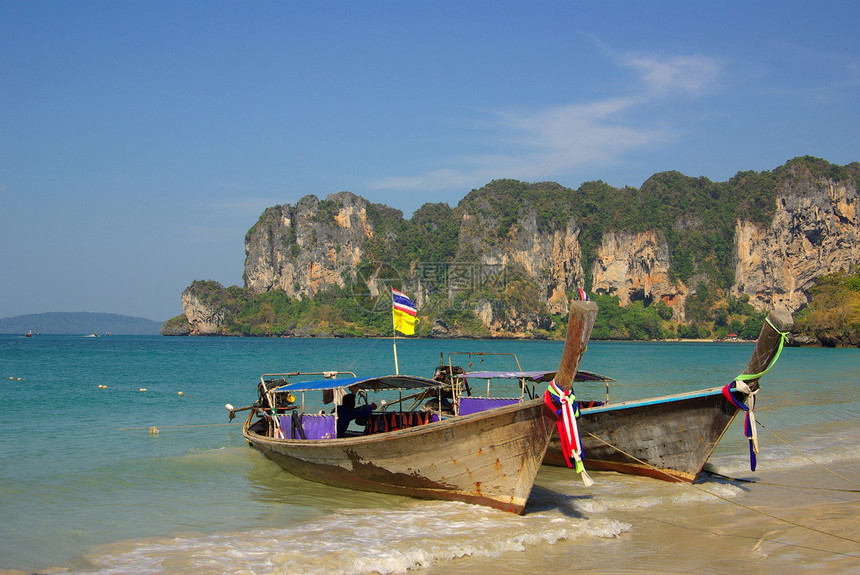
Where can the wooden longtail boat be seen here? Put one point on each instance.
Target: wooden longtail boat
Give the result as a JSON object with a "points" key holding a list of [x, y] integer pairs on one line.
{"points": [[669, 437], [488, 458]]}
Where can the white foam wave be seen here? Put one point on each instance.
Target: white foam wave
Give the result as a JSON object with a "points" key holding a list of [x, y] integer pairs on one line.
{"points": [[362, 541], [670, 494], [779, 457]]}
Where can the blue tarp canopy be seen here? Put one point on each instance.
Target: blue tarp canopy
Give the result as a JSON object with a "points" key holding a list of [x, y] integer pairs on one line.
{"points": [[536, 376], [375, 383]]}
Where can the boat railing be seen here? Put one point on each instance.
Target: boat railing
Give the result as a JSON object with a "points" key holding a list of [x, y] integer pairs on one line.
{"points": [[295, 418], [283, 401], [461, 388]]}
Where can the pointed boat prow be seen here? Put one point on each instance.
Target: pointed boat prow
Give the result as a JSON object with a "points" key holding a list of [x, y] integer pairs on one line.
{"points": [[579, 326], [768, 345], [671, 437]]}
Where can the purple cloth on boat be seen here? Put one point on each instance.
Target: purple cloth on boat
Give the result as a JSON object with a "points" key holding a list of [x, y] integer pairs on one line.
{"points": [[315, 426], [469, 405]]}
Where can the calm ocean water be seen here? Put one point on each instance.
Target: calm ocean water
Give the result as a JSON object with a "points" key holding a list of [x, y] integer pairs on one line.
{"points": [[85, 488]]}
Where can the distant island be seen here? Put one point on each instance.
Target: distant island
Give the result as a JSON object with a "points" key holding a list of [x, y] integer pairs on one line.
{"points": [[79, 323]]}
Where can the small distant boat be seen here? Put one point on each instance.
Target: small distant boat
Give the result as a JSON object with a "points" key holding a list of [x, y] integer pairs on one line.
{"points": [[29, 333], [489, 458]]}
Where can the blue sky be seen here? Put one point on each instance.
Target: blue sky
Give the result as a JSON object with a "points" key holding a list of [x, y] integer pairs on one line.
{"points": [[139, 141]]}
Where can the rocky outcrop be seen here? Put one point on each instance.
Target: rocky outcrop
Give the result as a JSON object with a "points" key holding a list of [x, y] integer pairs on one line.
{"points": [[635, 267], [815, 231], [553, 258], [307, 248], [519, 248], [204, 317], [176, 327]]}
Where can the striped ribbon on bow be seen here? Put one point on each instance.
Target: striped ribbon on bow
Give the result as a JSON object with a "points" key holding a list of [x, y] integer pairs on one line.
{"points": [[741, 386], [566, 414], [749, 425]]}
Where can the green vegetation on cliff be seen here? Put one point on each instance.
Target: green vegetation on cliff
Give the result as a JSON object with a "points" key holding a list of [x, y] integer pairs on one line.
{"points": [[833, 316], [342, 312], [697, 218], [696, 215]]}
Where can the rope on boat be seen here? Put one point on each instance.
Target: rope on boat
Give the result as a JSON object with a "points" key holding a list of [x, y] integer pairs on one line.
{"points": [[727, 500], [173, 426], [807, 487], [807, 457]]}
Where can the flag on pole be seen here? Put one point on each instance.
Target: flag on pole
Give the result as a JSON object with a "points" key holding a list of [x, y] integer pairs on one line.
{"points": [[404, 313]]}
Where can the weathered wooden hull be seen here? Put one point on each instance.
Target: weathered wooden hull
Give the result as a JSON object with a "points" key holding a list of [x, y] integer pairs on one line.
{"points": [[669, 438], [489, 458]]}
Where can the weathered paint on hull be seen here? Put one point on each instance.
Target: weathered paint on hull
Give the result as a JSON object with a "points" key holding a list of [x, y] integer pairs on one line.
{"points": [[671, 437], [489, 458]]}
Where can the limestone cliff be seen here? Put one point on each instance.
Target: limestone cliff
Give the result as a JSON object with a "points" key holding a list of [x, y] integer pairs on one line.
{"points": [[815, 232], [512, 253], [203, 314], [635, 266], [304, 249], [552, 257]]}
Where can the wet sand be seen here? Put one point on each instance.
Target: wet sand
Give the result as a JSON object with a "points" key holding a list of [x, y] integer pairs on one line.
{"points": [[710, 535]]}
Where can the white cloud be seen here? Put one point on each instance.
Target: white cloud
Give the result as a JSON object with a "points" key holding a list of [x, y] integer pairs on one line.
{"points": [[674, 74], [568, 138]]}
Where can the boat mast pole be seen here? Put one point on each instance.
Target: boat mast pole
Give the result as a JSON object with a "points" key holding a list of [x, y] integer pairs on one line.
{"points": [[394, 333]]}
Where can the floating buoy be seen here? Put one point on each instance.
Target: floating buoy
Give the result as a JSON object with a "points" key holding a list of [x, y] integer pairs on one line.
{"points": [[180, 393], [142, 389], [153, 430], [11, 378], [19, 379]]}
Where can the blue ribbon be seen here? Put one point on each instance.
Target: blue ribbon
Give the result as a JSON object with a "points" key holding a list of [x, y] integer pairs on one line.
{"points": [[748, 431]]}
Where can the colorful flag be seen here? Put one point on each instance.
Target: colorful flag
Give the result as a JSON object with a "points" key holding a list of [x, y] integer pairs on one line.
{"points": [[404, 313]]}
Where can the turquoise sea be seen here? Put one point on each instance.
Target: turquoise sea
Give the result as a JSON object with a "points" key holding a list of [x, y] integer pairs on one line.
{"points": [[85, 487]]}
